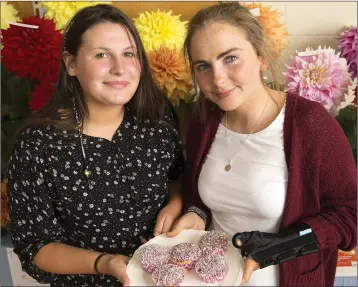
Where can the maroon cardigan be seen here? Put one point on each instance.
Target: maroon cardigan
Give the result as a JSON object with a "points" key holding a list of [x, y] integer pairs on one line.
{"points": [[321, 190]]}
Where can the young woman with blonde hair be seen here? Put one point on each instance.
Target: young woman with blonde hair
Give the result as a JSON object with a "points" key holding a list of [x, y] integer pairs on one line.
{"points": [[271, 169]]}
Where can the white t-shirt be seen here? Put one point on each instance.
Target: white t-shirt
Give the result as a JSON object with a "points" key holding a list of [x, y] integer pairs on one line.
{"points": [[252, 195]]}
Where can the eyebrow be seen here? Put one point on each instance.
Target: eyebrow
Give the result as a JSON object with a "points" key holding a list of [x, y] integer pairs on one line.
{"points": [[107, 49], [221, 55]]}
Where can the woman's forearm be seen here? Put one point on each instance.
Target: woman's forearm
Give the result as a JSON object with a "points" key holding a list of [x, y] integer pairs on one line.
{"points": [[60, 258]]}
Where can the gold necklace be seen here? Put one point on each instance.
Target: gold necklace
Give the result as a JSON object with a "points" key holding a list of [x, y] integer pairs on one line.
{"points": [[229, 165], [80, 128]]}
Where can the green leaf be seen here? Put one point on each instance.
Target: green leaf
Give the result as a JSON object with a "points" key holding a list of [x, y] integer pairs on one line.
{"points": [[347, 118], [19, 93], [5, 97]]}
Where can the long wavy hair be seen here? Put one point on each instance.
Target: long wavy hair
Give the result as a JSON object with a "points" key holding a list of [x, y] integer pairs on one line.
{"points": [[234, 14]]}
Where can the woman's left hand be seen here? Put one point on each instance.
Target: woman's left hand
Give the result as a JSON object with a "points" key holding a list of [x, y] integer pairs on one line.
{"points": [[250, 266]]}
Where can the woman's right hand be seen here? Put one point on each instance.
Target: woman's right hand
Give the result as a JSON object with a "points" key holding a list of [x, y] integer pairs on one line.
{"points": [[115, 265], [189, 220]]}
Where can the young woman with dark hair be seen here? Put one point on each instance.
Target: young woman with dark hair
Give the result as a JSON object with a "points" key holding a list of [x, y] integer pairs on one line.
{"points": [[98, 169]]}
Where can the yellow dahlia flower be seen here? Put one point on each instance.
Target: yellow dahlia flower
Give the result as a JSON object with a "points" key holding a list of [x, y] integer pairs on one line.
{"points": [[160, 29], [62, 12], [8, 14], [273, 28], [171, 73]]}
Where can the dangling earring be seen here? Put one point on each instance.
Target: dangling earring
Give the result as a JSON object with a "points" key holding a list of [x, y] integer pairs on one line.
{"points": [[73, 98]]}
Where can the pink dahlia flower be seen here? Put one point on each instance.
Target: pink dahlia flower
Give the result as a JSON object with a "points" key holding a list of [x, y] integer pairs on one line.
{"points": [[319, 75], [347, 43]]}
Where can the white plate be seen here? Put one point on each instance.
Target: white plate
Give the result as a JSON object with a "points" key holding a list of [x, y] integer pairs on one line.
{"points": [[139, 277]]}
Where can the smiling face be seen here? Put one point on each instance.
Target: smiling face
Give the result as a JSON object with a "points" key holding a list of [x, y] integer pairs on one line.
{"points": [[226, 65], [106, 65]]}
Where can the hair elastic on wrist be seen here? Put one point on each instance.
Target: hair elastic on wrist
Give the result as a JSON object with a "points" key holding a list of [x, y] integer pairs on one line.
{"points": [[96, 262]]}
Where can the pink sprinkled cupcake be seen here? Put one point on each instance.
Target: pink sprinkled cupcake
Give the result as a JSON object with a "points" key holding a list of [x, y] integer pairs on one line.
{"points": [[168, 275], [213, 242], [153, 256], [212, 268], [185, 255]]}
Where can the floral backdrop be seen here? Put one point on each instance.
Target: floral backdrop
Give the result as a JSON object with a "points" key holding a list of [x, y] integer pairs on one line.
{"points": [[32, 45]]}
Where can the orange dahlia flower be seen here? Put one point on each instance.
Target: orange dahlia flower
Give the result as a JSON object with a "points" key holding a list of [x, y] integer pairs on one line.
{"points": [[171, 73], [5, 219], [274, 29]]}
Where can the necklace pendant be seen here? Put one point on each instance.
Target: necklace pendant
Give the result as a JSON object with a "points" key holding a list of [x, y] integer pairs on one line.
{"points": [[228, 167]]}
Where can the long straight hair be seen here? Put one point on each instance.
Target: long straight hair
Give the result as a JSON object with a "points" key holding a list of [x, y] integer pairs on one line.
{"points": [[148, 102]]}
